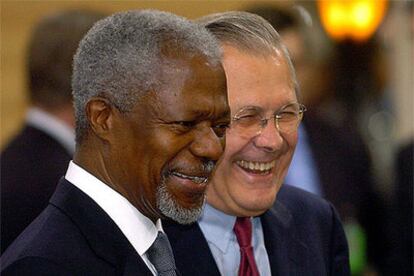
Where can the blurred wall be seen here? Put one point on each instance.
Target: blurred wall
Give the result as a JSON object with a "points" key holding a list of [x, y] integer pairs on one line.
{"points": [[19, 17], [399, 33]]}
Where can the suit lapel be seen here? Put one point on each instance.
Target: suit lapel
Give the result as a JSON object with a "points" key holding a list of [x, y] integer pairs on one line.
{"points": [[103, 235], [201, 263], [287, 255], [133, 266]]}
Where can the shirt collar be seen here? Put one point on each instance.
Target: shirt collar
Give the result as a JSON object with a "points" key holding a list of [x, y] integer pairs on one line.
{"points": [[217, 227], [137, 228], [54, 127]]}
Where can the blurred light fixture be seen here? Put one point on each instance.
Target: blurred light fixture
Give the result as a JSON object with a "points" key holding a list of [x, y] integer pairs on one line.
{"points": [[351, 19]]}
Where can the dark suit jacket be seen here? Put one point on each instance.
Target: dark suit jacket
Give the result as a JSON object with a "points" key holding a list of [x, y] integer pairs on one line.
{"points": [[31, 165], [303, 236], [72, 236]]}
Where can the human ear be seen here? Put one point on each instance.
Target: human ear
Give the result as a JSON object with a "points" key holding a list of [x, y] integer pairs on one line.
{"points": [[100, 116]]}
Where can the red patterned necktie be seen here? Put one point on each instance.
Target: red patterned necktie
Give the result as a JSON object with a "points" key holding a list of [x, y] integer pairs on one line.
{"points": [[243, 231]]}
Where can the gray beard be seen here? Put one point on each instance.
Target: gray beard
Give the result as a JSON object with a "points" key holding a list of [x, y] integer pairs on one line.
{"points": [[171, 209]]}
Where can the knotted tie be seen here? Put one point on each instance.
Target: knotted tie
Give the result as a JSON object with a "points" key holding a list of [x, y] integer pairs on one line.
{"points": [[243, 231], [161, 256]]}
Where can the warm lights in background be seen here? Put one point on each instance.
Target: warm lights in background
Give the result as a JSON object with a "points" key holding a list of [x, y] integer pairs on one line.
{"points": [[351, 19]]}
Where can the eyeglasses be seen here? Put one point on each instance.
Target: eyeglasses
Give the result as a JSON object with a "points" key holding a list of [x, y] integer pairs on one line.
{"points": [[249, 121]]}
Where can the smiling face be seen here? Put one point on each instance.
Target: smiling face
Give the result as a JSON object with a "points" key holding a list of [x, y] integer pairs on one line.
{"points": [[252, 169], [165, 148]]}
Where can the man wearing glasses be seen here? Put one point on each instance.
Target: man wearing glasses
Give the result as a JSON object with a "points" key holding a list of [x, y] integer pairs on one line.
{"points": [[252, 225]]}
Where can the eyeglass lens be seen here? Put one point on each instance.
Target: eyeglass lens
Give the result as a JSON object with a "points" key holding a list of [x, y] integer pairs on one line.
{"points": [[250, 122]]}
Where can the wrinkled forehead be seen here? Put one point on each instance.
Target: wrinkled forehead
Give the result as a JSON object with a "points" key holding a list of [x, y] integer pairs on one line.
{"points": [[263, 49], [192, 85], [185, 70], [258, 80]]}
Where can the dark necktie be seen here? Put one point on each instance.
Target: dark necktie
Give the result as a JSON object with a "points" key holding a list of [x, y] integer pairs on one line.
{"points": [[161, 256], [243, 231]]}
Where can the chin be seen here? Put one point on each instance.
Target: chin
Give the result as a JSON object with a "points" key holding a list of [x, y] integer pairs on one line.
{"points": [[171, 208], [257, 205], [182, 216]]}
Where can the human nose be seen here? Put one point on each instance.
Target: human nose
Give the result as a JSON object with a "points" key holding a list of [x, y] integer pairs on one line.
{"points": [[269, 137], [207, 145]]}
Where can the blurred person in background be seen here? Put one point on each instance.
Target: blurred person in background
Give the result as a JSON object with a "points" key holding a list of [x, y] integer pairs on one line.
{"points": [[331, 160], [402, 220], [403, 206], [34, 161]]}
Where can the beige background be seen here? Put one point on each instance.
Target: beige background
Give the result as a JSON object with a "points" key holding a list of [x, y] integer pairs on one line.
{"points": [[18, 19]]}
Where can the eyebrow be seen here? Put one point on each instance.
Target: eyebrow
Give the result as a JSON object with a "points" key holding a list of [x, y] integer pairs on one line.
{"points": [[259, 109], [249, 107], [201, 115], [226, 114]]}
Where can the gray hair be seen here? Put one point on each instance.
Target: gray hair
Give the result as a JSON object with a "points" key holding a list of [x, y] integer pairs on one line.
{"points": [[123, 56], [248, 32]]}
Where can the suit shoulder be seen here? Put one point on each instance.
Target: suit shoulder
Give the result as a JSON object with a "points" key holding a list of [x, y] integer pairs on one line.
{"points": [[313, 222], [295, 198], [37, 265], [48, 237], [55, 241], [25, 151], [304, 208], [33, 141]]}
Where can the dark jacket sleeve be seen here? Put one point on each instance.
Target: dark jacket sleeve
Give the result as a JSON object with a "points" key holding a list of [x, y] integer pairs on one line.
{"points": [[35, 266]]}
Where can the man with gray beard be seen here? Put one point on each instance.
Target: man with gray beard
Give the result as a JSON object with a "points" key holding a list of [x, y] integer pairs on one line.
{"points": [[151, 113]]}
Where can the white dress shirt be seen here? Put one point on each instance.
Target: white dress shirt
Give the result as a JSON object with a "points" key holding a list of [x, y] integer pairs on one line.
{"points": [[140, 231]]}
